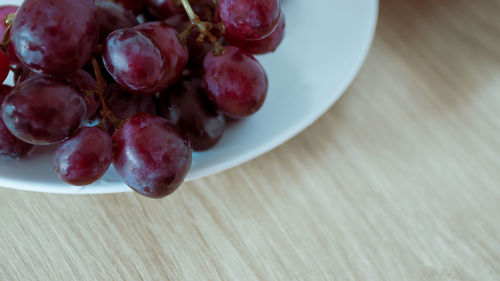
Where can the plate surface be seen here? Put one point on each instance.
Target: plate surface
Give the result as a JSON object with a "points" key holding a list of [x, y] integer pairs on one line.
{"points": [[325, 45]]}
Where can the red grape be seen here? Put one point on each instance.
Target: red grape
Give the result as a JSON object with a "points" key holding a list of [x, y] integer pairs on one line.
{"points": [[84, 157], [151, 155], [262, 46], [123, 104], [4, 66], [43, 110], [187, 106], [134, 60], [85, 83], [9, 144], [81, 80], [174, 53], [235, 82], [55, 37], [249, 19], [112, 16]]}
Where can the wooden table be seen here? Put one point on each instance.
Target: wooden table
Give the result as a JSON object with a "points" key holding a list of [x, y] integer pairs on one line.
{"points": [[400, 180]]}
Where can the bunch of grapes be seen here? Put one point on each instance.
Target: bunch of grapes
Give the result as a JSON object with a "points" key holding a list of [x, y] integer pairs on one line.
{"points": [[139, 84]]}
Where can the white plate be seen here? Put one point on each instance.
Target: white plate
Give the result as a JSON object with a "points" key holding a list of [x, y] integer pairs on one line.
{"points": [[325, 45]]}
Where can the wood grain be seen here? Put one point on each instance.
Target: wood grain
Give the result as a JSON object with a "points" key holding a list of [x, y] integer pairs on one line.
{"points": [[400, 180]]}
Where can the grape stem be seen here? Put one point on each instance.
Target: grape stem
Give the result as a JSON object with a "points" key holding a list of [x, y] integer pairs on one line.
{"points": [[203, 26], [9, 19], [99, 91]]}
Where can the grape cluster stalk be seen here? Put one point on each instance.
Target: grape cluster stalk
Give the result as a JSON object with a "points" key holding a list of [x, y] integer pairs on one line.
{"points": [[138, 84]]}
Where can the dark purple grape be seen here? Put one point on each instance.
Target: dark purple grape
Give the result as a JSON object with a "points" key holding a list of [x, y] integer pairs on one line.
{"points": [[123, 104], [112, 16], [9, 144], [174, 53], [187, 106], [84, 157], [262, 46], [134, 60], [43, 110], [134, 5], [55, 36], [151, 155], [81, 80], [249, 19], [164, 8], [235, 82], [86, 83]]}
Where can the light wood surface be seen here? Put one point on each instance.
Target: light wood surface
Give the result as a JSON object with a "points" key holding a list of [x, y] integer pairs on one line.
{"points": [[400, 180]]}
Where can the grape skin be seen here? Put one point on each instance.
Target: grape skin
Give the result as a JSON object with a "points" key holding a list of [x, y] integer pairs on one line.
{"points": [[80, 79], [235, 82], [262, 46], [55, 37], [151, 155], [249, 19], [186, 105], [84, 157], [134, 60], [174, 53], [112, 16], [10, 145], [123, 104], [43, 111]]}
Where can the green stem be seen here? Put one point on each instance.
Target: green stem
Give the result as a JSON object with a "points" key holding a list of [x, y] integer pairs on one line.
{"points": [[204, 28]]}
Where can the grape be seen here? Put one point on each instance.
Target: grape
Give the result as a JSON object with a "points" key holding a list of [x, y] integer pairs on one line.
{"points": [[133, 60], [80, 79], [235, 82], [262, 46], [249, 19], [4, 12], [112, 16], [187, 106], [85, 82], [174, 53], [151, 155], [4, 66], [123, 105], [43, 110], [84, 157], [9, 144], [55, 37], [134, 5], [197, 50], [163, 8]]}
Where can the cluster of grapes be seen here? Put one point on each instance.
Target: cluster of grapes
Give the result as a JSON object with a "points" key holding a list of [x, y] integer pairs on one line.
{"points": [[136, 83]]}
